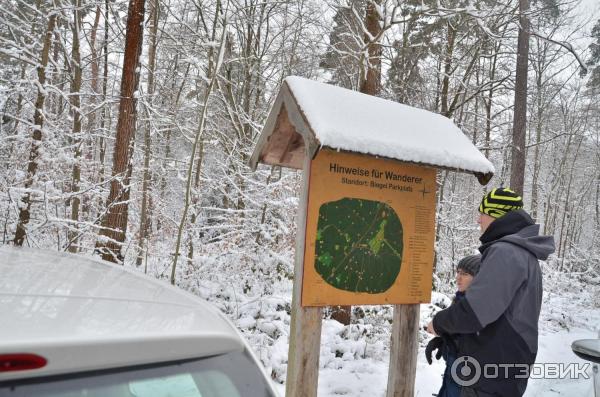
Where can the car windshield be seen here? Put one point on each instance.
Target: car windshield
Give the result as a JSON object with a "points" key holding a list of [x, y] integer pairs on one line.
{"points": [[229, 375]]}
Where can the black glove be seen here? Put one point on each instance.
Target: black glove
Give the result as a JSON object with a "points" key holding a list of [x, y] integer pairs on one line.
{"points": [[435, 344]]}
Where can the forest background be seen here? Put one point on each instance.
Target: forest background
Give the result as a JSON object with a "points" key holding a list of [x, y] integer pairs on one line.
{"points": [[128, 135]]}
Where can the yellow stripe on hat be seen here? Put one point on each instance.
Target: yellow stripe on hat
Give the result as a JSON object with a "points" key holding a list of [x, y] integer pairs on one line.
{"points": [[501, 197], [501, 206], [486, 203]]}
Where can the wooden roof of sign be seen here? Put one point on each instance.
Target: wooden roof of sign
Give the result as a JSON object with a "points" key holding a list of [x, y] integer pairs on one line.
{"points": [[308, 115]]}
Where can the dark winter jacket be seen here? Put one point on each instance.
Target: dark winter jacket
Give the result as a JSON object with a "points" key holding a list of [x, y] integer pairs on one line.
{"points": [[450, 353], [500, 313]]}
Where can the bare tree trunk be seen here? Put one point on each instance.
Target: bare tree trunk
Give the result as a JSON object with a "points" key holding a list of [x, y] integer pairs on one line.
{"points": [[372, 81], [34, 27], [574, 230], [103, 121], [252, 41], [447, 68], [488, 103], [174, 109], [114, 223], [16, 117], [195, 200], [93, 100], [566, 212], [536, 154], [212, 64], [551, 211], [597, 206], [76, 114], [59, 77], [263, 215], [438, 84], [438, 203], [56, 74], [38, 122], [95, 66], [143, 232], [462, 91], [517, 175], [19, 103], [370, 85], [197, 141], [249, 61]]}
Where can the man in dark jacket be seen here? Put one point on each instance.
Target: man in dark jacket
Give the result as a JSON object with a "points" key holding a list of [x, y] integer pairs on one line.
{"points": [[499, 315]]}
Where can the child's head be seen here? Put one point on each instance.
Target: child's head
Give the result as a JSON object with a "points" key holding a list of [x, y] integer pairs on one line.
{"points": [[466, 269]]}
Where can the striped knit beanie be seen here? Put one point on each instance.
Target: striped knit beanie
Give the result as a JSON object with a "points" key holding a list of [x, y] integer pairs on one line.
{"points": [[500, 201]]}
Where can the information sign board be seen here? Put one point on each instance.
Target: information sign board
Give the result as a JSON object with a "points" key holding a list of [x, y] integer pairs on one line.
{"points": [[369, 231]]}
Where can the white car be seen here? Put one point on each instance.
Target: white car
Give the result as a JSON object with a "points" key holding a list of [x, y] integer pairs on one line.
{"points": [[74, 326]]}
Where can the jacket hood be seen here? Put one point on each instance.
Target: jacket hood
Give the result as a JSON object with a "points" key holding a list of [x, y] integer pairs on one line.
{"points": [[518, 228], [510, 223], [529, 238]]}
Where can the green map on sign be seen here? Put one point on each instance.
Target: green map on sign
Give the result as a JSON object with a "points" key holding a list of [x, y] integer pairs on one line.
{"points": [[359, 245]]}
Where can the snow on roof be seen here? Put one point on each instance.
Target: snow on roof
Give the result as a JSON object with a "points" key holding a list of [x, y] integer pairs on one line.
{"points": [[349, 120]]}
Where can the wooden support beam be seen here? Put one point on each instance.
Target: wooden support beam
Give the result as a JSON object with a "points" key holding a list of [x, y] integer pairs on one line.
{"points": [[286, 137], [403, 352], [305, 328], [285, 147]]}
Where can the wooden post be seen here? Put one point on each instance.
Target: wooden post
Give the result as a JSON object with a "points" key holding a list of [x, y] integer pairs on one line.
{"points": [[305, 328], [403, 352]]}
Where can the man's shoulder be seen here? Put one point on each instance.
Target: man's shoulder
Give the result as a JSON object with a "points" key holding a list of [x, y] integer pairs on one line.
{"points": [[502, 245], [504, 251]]}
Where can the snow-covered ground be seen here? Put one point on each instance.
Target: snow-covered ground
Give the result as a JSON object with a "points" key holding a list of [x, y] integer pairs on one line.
{"points": [[354, 360]]}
